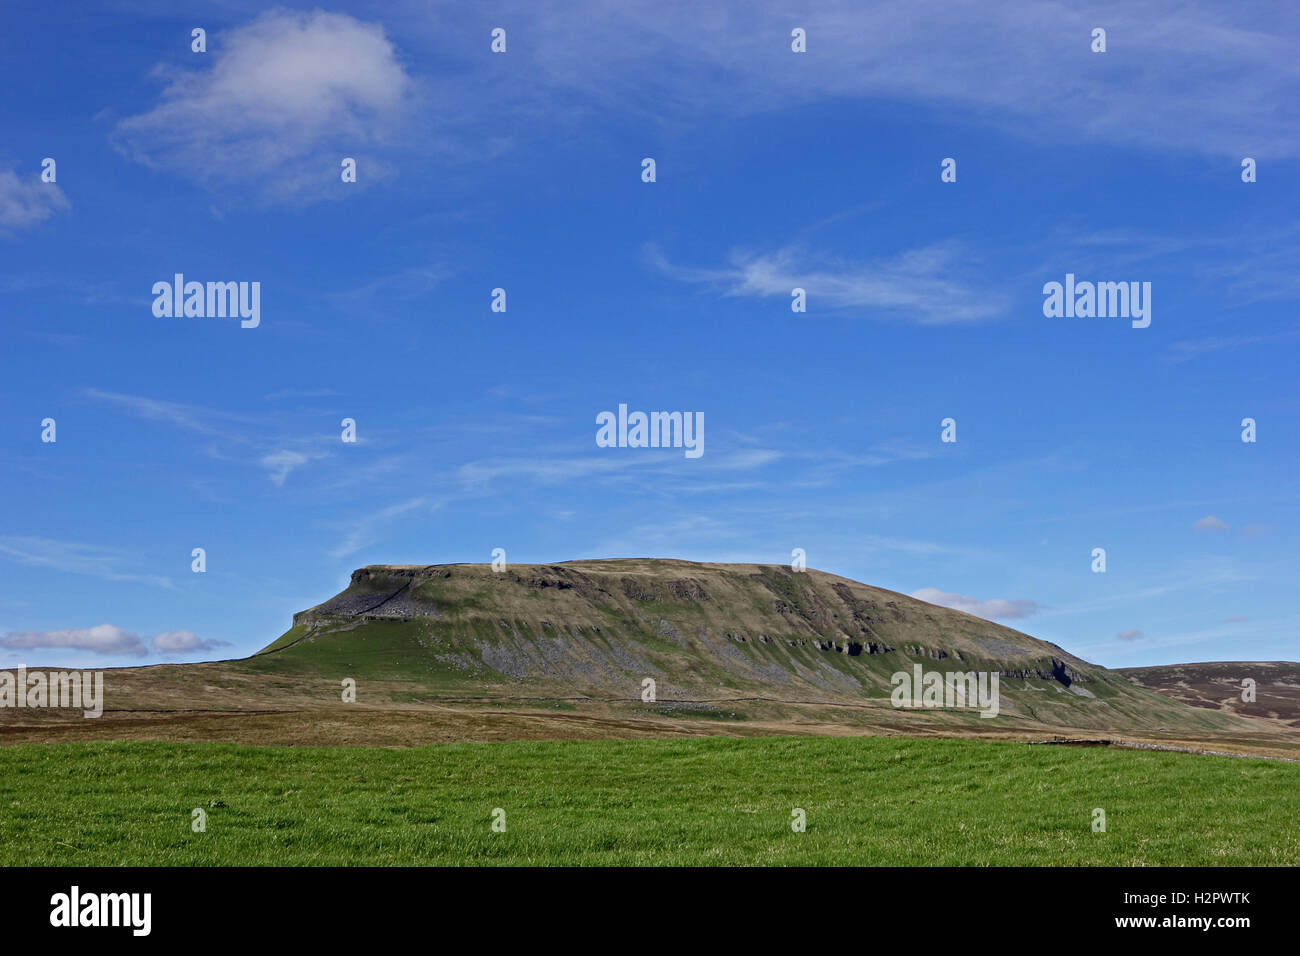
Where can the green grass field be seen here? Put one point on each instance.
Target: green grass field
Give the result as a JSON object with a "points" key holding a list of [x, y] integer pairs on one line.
{"points": [[704, 801]]}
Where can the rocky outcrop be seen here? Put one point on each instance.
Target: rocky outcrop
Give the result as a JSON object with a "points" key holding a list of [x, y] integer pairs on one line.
{"points": [[1056, 670]]}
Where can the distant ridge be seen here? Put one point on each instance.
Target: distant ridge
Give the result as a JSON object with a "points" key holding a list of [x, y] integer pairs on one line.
{"points": [[1218, 685]]}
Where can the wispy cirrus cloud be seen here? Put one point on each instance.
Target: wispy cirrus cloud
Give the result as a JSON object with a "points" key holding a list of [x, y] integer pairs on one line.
{"points": [[1189, 349], [1023, 65], [483, 478], [546, 470], [379, 295], [280, 464], [188, 417], [252, 437], [1240, 266], [655, 464], [26, 201], [364, 531], [1210, 523], [932, 284], [110, 564]]}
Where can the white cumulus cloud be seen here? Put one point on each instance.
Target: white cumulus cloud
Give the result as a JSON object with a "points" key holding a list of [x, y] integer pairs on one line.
{"points": [[284, 98], [100, 639], [108, 639], [176, 642], [997, 608]]}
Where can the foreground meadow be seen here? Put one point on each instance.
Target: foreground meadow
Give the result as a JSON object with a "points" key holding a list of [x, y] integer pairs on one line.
{"points": [[866, 801]]}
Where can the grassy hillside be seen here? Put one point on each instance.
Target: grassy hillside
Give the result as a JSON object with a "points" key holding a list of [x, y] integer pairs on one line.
{"points": [[705, 633], [702, 801]]}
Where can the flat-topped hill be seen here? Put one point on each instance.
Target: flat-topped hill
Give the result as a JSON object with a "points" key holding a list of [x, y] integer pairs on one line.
{"points": [[704, 633]]}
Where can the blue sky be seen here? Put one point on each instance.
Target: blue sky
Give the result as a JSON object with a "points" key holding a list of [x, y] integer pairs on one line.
{"points": [[476, 430]]}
